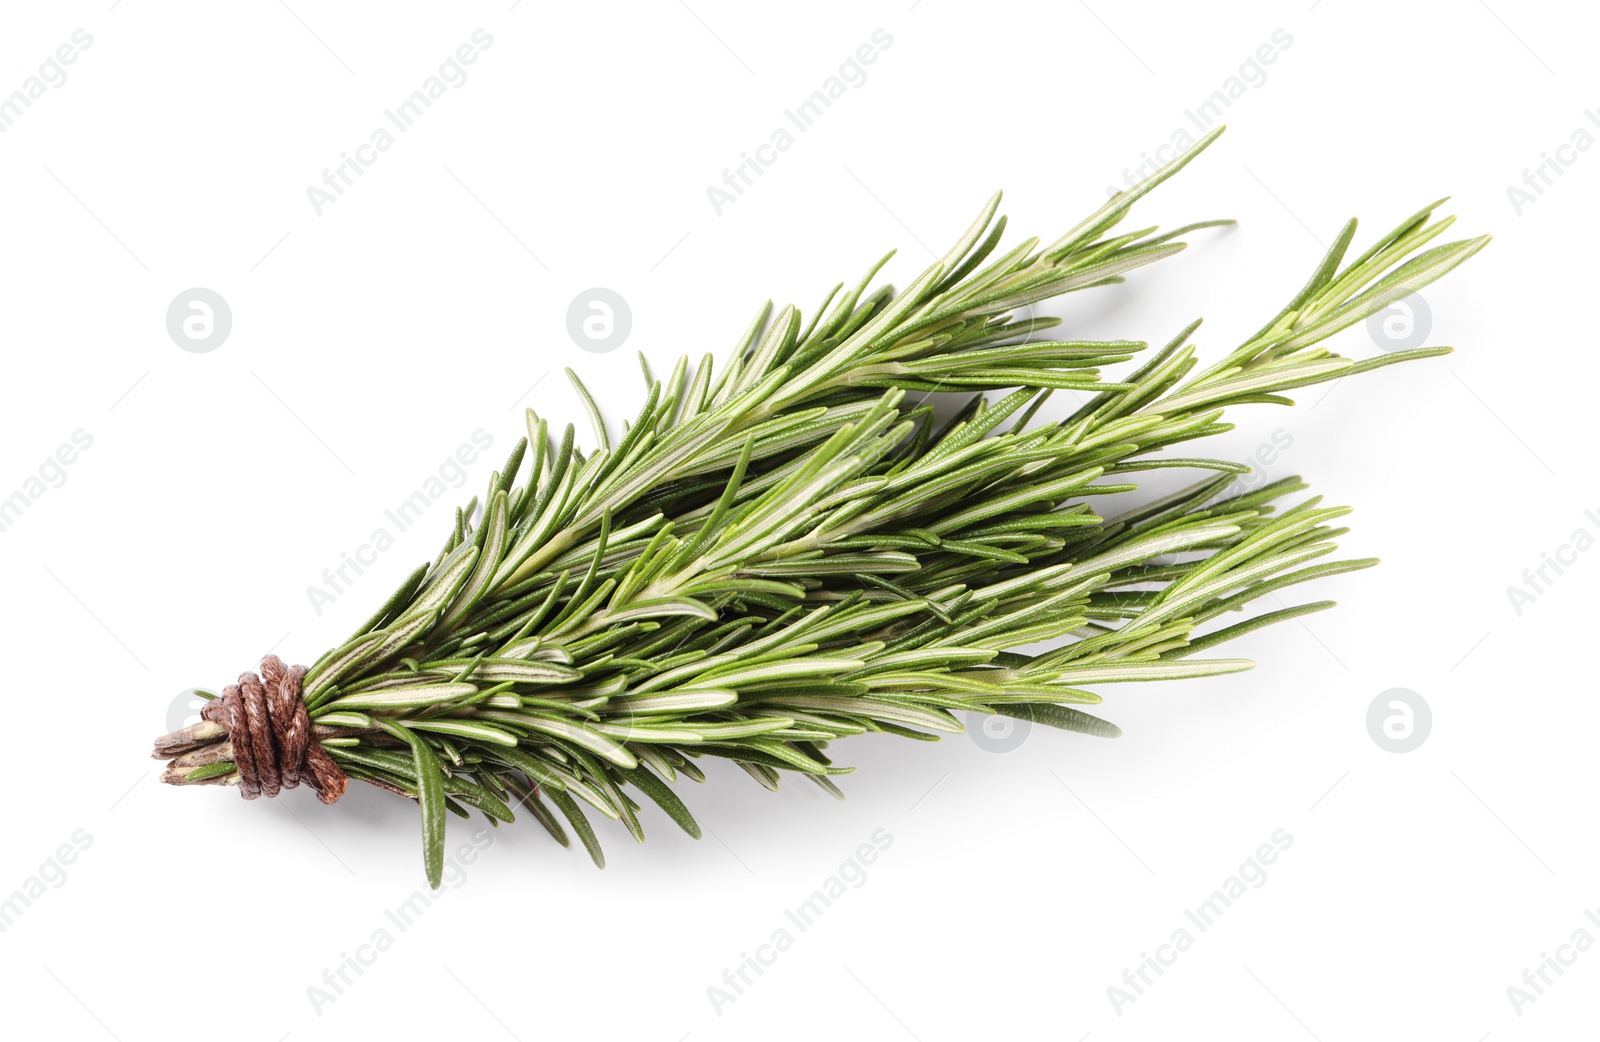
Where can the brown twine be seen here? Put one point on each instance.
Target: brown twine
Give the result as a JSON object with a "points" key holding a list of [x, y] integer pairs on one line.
{"points": [[271, 734]]}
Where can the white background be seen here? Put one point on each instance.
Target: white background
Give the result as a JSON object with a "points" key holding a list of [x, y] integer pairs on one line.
{"points": [[372, 340]]}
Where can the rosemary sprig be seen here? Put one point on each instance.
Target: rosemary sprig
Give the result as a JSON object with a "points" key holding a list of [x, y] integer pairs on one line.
{"points": [[788, 551]]}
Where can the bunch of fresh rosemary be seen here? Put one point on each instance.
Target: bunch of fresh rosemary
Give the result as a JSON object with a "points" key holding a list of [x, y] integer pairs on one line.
{"points": [[792, 550]]}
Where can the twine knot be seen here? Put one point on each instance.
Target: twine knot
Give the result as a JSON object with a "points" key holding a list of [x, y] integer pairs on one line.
{"points": [[270, 730]]}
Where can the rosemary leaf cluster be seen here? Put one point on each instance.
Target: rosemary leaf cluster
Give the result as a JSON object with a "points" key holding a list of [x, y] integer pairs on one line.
{"points": [[791, 549]]}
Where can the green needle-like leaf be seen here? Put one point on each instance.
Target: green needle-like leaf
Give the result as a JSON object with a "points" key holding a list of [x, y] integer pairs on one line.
{"points": [[430, 796]]}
